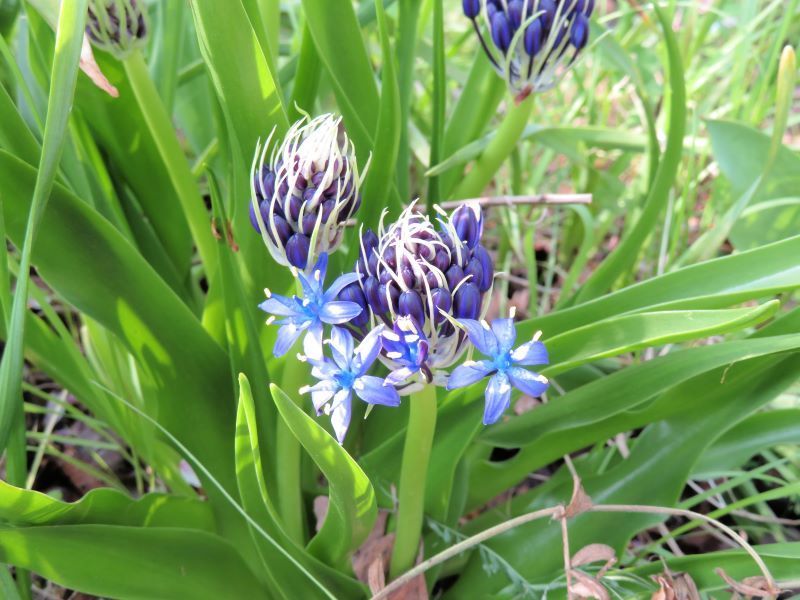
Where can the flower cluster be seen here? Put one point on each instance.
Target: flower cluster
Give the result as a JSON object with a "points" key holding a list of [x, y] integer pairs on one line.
{"points": [[413, 301], [117, 26], [303, 195], [531, 43]]}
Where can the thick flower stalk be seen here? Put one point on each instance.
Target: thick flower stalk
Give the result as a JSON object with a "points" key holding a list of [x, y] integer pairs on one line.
{"points": [[531, 43], [307, 315], [345, 374], [117, 26], [503, 364], [305, 191], [413, 276]]}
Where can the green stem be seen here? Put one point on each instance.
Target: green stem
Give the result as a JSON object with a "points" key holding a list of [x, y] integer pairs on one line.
{"points": [[180, 174], [498, 150], [413, 475], [288, 455]]}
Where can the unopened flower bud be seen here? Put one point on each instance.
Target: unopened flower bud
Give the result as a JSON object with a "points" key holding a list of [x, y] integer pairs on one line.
{"points": [[117, 26]]}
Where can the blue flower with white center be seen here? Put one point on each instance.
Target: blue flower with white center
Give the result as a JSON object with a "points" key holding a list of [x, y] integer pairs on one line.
{"points": [[407, 347], [344, 374], [310, 313], [502, 363]]}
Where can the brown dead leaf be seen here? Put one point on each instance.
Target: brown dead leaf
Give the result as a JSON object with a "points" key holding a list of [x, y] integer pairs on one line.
{"points": [[92, 69], [675, 587], [754, 587], [583, 586], [593, 553], [579, 503]]}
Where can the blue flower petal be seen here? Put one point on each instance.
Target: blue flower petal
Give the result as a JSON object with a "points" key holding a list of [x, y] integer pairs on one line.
{"points": [[341, 347], [482, 339], [528, 382], [498, 396], [398, 376], [530, 354], [373, 391], [367, 351], [339, 312], [337, 286], [340, 414], [506, 334], [468, 373], [287, 336], [280, 306], [312, 343]]}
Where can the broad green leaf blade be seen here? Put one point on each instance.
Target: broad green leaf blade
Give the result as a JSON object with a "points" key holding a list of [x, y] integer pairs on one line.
{"points": [[104, 506], [101, 560], [627, 333], [352, 508], [69, 39], [753, 435], [718, 283]]}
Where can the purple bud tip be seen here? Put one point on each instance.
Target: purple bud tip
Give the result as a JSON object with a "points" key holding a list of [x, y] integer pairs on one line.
{"points": [[515, 13], [579, 34], [501, 31], [369, 240], [353, 293], [467, 301], [487, 267], [297, 249], [410, 304], [373, 296], [533, 38], [441, 300], [454, 275], [471, 8]]}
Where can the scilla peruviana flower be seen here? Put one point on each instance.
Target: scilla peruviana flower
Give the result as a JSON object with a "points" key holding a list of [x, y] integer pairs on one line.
{"points": [[309, 314], [503, 364], [344, 374], [531, 43], [303, 195], [117, 26], [415, 270]]}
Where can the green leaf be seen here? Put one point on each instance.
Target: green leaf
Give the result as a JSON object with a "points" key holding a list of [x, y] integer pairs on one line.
{"points": [[69, 38], [103, 506], [718, 283], [352, 509], [625, 255], [627, 333], [100, 560], [753, 435]]}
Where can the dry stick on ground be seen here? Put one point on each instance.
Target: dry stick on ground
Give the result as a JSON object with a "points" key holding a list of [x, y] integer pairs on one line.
{"points": [[553, 199], [579, 504]]}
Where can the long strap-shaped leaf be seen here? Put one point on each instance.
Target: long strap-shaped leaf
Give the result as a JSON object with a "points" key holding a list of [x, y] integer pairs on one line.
{"points": [[69, 39], [625, 255]]}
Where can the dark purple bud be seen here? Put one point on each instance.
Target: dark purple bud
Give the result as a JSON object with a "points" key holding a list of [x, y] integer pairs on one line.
{"points": [[482, 255], [283, 229], [294, 208], [501, 31], [433, 281], [393, 295], [515, 13], [466, 225], [300, 182], [267, 187], [264, 210], [372, 261], [467, 301], [410, 304], [317, 178], [390, 257], [579, 34], [308, 223], [454, 275], [549, 8], [283, 188], [369, 240], [442, 260], [372, 294], [475, 271], [327, 209], [308, 194], [407, 275], [297, 249], [385, 277], [471, 8], [353, 293], [533, 38], [441, 300]]}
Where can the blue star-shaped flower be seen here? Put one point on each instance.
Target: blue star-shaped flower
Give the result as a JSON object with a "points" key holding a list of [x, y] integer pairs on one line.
{"points": [[346, 373], [307, 314], [406, 345], [503, 364]]}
